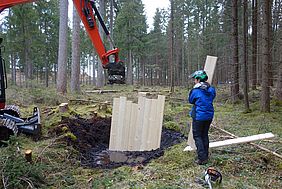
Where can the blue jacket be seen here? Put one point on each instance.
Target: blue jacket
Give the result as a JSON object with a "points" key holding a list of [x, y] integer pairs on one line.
{"points": [[202, 96]]}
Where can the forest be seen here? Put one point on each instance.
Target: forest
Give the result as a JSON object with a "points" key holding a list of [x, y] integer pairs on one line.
{"points": [[50, 60]]}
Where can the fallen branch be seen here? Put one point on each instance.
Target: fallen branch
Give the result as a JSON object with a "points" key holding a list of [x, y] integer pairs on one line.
{"points": [[4, 181], [253, 144], [28, 181]]}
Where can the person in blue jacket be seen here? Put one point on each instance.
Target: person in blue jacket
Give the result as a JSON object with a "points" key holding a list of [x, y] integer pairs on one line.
{"points": [[201, 96]]}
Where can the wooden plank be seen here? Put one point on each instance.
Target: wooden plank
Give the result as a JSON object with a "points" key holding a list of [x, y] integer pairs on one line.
{"points": [[210, 67], [114, 124], [139, 125], [146, 126], [191, 141], [253, 144], [120, 125], [126, 127], [153, 126], [237, 140], [102, 91], [132, 128], [159, 120]]}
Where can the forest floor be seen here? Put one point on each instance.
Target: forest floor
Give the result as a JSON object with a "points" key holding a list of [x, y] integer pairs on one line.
{"points": [[67, 157]]}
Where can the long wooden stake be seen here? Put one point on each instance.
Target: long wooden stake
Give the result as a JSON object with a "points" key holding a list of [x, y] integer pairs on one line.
{"points": [[256, 145]]}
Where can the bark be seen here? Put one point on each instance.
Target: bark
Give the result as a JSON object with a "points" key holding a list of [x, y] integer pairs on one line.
{"points": [[278, 91], [142, 70], [172, 47], [265, 93], [75, 66], [245, 61], [100, 70], [129, 68], [235, 58], [62, 56], [14, 69], [94, 68], [254, 43], [46, 74], [111, 19]]}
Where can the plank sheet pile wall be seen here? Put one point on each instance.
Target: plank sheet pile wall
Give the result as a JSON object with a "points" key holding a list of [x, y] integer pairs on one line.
{"points": [[136, 127]]}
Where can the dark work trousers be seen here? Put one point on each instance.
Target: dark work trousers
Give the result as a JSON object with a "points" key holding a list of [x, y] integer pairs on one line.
{"points": [[200, 135]]}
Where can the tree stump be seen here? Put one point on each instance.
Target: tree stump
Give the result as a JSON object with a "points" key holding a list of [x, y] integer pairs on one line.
{"points": [[63, 107], [28, 156]]}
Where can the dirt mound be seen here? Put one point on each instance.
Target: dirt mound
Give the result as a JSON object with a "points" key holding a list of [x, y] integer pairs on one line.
{"points": [[91, 138]]}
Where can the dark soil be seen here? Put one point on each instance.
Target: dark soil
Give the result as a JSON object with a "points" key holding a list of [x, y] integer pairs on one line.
{"points": [[92, 142]]}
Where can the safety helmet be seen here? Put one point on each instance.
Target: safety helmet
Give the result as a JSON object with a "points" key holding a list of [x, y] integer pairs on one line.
{"points": [[200, 74]]}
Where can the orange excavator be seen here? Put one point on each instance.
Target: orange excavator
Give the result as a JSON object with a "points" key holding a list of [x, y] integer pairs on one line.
{"points": [[10, 121]]}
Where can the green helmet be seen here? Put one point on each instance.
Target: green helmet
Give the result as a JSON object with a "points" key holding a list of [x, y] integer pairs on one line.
{"points": [[200, 74]]}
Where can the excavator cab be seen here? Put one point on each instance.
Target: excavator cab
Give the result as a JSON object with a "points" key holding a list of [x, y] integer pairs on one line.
{"points": [[10, 121]]}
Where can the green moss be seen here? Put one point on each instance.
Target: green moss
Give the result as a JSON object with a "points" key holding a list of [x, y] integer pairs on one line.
{"points": [[71, 136], [172, 125]]}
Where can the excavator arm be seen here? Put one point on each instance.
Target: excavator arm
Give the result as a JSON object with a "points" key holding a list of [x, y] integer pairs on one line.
{"points": [[88, 12], [9, 3]]}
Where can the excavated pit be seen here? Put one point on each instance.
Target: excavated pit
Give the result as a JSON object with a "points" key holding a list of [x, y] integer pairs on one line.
{"points": [[91, 138]]}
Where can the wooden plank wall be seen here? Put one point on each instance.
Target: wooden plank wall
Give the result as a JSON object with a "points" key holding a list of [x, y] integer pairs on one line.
{"points": [[136, 127]]}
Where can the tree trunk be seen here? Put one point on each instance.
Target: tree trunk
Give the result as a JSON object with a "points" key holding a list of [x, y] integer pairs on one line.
{"points": [[62, 56], [265, 93], [94, 67], [46, 64], [14, 69], [245, 61], [235, 59], [130, 68], [171, 47], [100, 69], [75, 65], [142, 70], [278, 91], [254, 43]]}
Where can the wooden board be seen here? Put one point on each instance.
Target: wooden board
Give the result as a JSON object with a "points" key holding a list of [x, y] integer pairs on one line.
{"points": [[139, 124], [191, 141], [160, 113], [132, 128], [210, 67], [126, 126], [114, 123], [236, 141], [153, 125], [146, 124], [120, 124]]}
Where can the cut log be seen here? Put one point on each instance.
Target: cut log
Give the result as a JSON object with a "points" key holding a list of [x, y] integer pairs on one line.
{"points": [[236, 141]]}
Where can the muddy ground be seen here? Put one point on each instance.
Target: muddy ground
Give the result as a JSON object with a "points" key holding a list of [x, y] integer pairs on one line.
{"points": [[91, 138]]}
